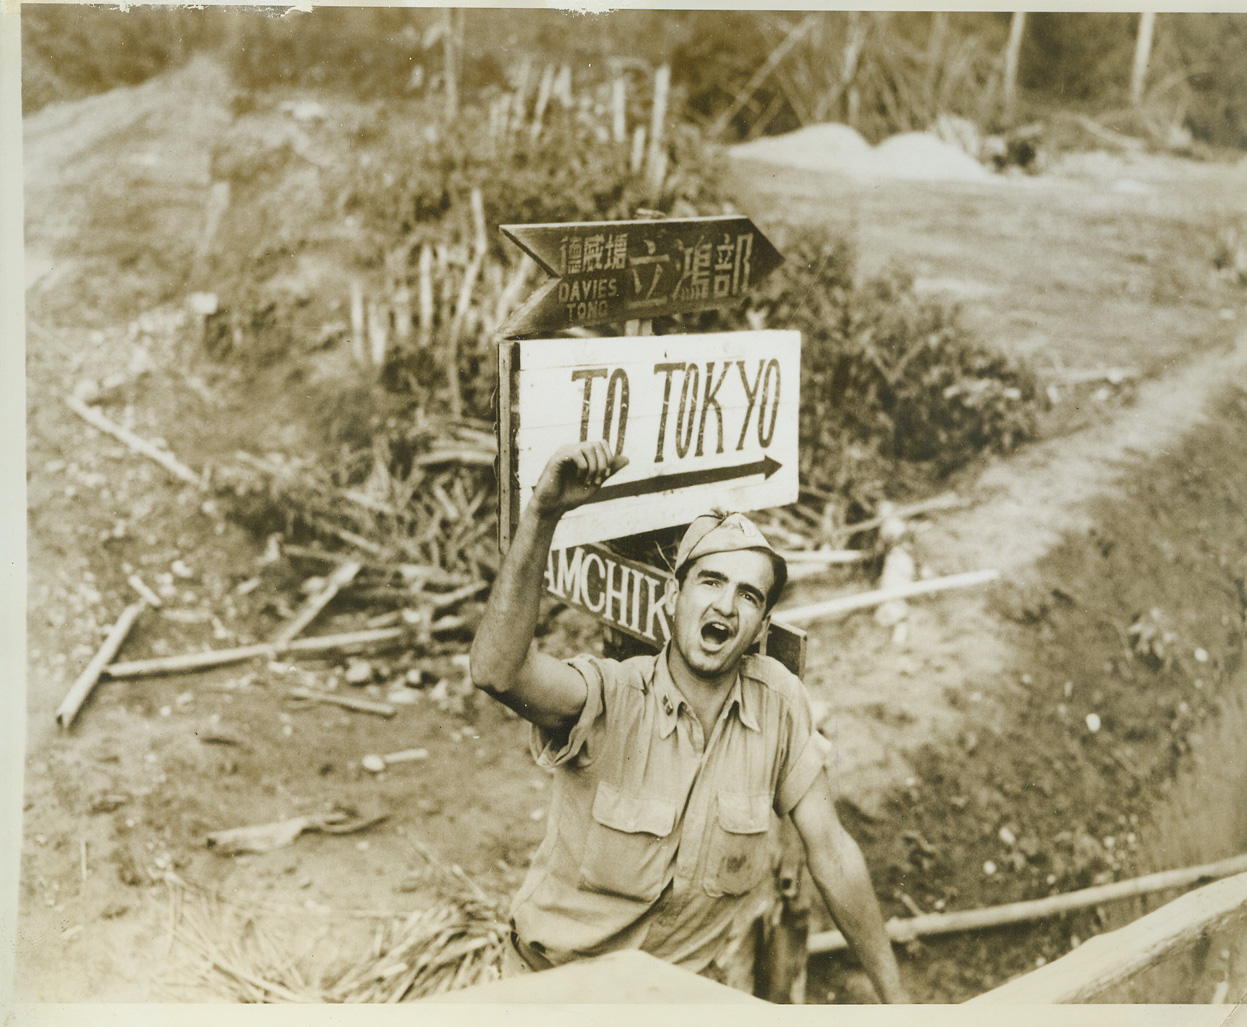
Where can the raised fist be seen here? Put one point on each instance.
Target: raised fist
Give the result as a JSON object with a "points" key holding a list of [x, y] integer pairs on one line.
{"points": [[573, 475]]}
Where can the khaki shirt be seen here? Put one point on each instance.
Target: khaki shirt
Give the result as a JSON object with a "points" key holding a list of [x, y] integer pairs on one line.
{"points": [[657, 835]]}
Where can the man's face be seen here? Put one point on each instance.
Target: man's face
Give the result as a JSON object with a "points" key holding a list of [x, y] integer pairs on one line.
{"points": [[719, 609]]}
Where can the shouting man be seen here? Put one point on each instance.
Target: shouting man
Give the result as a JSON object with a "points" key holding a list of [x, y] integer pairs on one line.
{"points": [[668, 769]]}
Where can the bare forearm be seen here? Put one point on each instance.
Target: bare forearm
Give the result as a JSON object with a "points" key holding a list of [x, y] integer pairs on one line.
{"points": [[842, 878], [510, 619]]}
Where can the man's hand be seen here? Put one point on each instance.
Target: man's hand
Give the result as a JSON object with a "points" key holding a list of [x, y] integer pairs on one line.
{"points": [[573, 475]]}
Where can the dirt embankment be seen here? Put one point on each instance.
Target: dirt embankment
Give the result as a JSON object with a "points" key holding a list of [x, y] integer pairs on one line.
{"points": [[968, 744]]}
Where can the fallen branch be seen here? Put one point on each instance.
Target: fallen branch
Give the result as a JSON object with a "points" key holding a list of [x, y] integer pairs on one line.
{"points": [[77, 695], [266, 837], [1037, 909], [863, 600], [1112, 375], [947, 501], [469, 457], [342, 576], [141, 587], [222, 657], [824, 557], [139, 445], [350, 702]]}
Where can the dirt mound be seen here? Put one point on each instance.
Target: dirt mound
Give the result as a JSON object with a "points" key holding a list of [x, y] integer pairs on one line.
{"points": [[839, 148]]}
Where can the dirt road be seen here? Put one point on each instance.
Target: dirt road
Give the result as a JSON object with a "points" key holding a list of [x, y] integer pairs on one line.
{"points": [[944, 737]]}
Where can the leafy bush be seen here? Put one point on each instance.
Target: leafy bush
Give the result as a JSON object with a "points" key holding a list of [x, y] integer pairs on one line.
{"points": [[887, 376]]}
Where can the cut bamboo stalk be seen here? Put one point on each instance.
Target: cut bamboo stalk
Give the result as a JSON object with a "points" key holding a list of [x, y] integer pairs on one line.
{"points": [[357, 322], [90, 676], [846, 604], [185, 662], [139, 445], [342, 576], [1112, 958], [1038, 909], [378, 332], [350, 702], [637, 159], [619, 110], [425, 272], [543, 98], [656, 158], [561, 90]]}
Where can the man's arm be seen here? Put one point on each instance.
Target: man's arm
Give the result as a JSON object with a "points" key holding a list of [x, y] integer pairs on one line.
{"points": [[837, 866], [504, 661]]}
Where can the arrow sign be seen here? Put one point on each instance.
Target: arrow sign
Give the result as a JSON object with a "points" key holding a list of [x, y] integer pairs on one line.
{"points": [[608, 271], [704, 420], [765, 467]]}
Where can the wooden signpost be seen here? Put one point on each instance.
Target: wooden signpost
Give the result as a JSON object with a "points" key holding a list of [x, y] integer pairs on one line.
{"points": [[615, 271], [705, 420]]}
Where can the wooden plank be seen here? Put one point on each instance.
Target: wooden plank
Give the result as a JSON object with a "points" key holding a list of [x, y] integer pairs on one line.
{"points": [[509, 364], [1111, 958], [705, 421], [615, 271]]}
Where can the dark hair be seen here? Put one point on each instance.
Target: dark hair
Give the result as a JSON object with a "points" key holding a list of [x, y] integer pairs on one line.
{"points": [[779, 573]]}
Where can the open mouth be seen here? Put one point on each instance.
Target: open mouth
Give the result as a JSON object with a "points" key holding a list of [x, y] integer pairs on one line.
{"points": [[715, 633]]}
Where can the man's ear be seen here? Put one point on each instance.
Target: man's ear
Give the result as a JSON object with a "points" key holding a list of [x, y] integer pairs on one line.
{"points": [[673, 589], [763, 628]]}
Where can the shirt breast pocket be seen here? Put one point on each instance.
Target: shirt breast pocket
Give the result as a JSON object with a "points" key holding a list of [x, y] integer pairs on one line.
{"points": [[739, 845], [628, 849]]}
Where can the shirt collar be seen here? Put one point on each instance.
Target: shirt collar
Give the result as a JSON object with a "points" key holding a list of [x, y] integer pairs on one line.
{"points": [[670, 699]]}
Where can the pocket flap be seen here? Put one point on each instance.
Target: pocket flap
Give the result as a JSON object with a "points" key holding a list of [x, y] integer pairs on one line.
{"points": [[744, 814], [633, 814]]}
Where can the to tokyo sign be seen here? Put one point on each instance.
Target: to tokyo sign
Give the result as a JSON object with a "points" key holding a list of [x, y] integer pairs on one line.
{"points": [[705, 421]]}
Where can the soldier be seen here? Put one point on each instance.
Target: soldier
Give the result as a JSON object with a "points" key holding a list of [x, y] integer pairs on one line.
{"points": [[668, 769]]}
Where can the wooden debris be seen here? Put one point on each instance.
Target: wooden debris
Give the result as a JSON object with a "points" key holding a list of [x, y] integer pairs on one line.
{"points": [[846, 604], [266, 837], [1038, 909], [317, 645], [139, 445], [350, 702], [338, 580], [947, 501], [140, 586], [81, 689], [375, 764]]}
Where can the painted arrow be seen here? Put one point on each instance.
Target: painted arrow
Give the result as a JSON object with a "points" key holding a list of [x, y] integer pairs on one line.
{"points": [[685, 479], [608, 271]]}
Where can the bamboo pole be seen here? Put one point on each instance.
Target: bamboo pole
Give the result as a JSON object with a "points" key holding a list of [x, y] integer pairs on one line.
{"points": [[1013, 52], [1038, 909], [619, 96], [946, 501], [543, 98], [342, 576], [358, 349], [349, 702], [140, 445], [793, 37], [1112, 958], [656, 158], [185, 662], [426, 297], [847, 604], [1142, 54], [87, 680]]}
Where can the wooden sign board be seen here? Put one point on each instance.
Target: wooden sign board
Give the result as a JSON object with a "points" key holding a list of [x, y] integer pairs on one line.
{"points": [[611, 271], [706, 421], [629, 597]]}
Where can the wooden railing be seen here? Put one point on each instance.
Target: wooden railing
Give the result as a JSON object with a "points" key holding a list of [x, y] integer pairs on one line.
{"points": [[1117, 956]]}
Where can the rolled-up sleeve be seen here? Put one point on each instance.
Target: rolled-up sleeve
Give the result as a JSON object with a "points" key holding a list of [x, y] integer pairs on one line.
{"points": [[808, 752], [554, 749]]}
